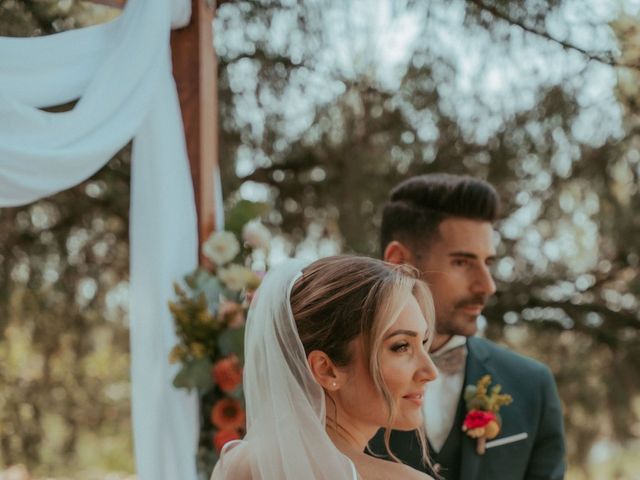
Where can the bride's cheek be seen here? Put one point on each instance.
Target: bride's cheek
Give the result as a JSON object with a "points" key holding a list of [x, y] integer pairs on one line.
{"points": [[393, 377]]}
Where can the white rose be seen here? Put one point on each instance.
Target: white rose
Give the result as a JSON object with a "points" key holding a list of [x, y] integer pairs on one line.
{"points": [[235, 276], [221, 247], [256, 235]]}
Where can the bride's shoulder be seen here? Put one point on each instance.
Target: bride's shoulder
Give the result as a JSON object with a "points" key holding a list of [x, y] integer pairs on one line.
{"points": [[379, 468], [233, 464], [405, 472], [411, 473]]}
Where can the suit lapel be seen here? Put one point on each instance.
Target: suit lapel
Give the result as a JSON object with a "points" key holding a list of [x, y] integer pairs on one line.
{"points": [[476, 367]]}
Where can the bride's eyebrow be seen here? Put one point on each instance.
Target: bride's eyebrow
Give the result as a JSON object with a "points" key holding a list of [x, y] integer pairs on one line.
{"points": [[411, 333]]}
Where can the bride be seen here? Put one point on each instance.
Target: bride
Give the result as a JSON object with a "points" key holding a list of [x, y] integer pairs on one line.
{"points": [[334, 351]]}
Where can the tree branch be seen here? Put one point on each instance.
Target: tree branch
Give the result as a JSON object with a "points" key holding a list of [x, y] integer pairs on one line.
{"points": [[606, 59], [616, 319]]}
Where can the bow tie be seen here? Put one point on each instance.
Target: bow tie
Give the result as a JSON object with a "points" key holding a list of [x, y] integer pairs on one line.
{"points": [[452, 361]]}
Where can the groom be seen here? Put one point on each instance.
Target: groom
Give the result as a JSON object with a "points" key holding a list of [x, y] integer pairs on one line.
{"points": [[442, 224]]}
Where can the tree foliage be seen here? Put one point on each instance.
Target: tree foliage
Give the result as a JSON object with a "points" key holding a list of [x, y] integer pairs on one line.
{"points": [[63, 281]]}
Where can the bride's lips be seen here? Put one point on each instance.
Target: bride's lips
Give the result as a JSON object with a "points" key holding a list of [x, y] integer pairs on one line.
{"points": [[415, 397]]}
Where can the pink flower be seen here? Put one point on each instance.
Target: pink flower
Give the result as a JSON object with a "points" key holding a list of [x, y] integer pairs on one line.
{"points": [[232, 314], [478, 419]]}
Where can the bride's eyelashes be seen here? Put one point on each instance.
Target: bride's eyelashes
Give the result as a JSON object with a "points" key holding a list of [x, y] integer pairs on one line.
{"points": [[404, 346], [400, 347]]}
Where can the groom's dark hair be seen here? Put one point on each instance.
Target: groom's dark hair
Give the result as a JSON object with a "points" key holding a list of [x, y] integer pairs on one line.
{"points": [[417, 206]]}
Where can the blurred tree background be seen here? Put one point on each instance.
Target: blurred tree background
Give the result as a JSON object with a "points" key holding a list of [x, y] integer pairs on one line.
{"points": [[324, 106]]}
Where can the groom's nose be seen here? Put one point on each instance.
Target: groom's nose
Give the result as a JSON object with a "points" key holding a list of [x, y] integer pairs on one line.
{"points": [[482, 282]]}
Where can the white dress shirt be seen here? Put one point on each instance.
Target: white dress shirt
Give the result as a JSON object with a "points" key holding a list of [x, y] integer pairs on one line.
{"points": [[441, 398]]}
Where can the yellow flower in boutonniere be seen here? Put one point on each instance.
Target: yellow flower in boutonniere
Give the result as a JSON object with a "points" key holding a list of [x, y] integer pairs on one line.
{"points": [[483, 421]]}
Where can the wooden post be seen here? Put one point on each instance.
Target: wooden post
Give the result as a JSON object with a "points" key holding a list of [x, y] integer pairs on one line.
{"points": [[196, 75], [195, 69]]}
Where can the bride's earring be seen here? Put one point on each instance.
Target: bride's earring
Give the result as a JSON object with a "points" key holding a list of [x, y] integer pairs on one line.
{"points": [[334, 384]]}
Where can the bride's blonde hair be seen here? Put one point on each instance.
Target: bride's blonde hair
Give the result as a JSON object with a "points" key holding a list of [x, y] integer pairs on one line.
{"points": [[340, 298]]}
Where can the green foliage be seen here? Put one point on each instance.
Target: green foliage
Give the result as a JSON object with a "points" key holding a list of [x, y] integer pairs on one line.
{"points": [[64, 341], [28, 18], [204, 283], [195, 322], [231, 341], [243, 212], [209, 316], [194, 374]]}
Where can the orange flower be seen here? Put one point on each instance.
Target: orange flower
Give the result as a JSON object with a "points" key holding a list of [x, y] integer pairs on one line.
{"points": [[223, 436], [227, 373], [227, 414]]}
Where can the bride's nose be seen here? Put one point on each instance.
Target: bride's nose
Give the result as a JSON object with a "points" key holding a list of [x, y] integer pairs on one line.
{"points": [[427, 371]]}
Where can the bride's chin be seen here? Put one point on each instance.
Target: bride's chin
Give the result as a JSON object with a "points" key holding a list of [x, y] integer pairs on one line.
{"points": [[408, 424]]}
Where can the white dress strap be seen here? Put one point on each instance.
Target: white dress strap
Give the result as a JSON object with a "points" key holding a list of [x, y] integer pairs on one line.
{"points": [[353, 470], [222, 468], [230, 443]]}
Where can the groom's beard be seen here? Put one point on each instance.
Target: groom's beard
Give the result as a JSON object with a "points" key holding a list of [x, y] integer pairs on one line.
{"points": [[476, 301], [461, 318]]}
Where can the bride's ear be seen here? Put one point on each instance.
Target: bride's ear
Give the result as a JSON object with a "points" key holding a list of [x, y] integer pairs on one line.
{"points": [[324, 371]]}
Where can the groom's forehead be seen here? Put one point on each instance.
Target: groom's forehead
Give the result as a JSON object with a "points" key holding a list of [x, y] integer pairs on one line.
{"points": [[464, 235]]}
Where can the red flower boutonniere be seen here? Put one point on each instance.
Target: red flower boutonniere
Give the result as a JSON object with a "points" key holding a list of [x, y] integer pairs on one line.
{"points": [[483, 421]]}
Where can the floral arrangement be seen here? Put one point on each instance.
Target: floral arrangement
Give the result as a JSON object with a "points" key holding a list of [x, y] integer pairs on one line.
{"points": [[209, 313], [483, 421]]}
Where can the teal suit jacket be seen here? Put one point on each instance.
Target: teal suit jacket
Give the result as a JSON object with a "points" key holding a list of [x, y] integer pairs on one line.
{"points": [[535, 410]]}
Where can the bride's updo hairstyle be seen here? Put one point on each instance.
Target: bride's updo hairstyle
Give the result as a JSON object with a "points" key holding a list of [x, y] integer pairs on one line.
{"points": [[340, 298]]}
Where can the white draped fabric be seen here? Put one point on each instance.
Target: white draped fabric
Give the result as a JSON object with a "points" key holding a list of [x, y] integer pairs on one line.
{"points": [[121, 73]]}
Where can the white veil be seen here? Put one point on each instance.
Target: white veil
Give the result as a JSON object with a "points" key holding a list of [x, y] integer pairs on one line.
{"points": [[286, 438]]}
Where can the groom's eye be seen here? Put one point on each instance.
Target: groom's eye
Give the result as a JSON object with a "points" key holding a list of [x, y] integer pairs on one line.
{"points": [[460, 262]]}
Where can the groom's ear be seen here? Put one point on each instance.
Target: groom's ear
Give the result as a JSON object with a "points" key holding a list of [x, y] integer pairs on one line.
{"points": [[397, 253], [324, 370]]}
